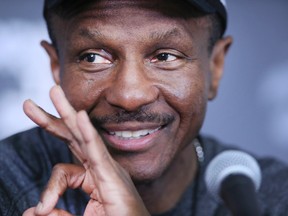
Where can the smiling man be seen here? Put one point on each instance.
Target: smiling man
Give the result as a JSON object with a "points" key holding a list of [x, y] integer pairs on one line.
{"points": [[133, 79]]}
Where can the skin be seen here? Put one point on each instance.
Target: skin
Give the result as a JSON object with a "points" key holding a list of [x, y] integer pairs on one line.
{"points": [[162, 70]]}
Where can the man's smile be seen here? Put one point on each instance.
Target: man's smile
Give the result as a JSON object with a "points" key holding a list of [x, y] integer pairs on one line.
{"points": [[133, 131], [136, 137], [133, 134]]}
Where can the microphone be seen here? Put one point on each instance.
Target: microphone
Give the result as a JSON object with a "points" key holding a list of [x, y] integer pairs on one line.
{"points": [[233, 177]]}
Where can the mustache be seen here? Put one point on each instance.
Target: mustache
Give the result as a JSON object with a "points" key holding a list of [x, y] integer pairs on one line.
{"points": [[139, 116]]}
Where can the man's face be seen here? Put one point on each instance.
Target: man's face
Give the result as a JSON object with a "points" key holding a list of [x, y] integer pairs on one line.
{"points": [[142, 74]]}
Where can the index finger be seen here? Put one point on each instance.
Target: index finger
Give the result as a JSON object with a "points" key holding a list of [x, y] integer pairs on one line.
{"points": [[52, 124], [65, 110], [46, 121], [94, 147]]}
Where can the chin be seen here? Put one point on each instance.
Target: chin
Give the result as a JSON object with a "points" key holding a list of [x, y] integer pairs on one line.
{"points": [[143, 169], [146, 176]]}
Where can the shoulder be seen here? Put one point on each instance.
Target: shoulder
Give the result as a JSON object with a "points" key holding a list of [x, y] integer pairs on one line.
{"points": [[31, 145], [26, 160], [273, 192]]}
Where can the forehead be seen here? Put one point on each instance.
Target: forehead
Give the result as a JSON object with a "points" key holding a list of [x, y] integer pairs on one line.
{"points": [[155, 19]]}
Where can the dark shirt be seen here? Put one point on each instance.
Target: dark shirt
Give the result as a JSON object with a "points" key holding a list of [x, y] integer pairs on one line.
{"points": [[27, 159]]}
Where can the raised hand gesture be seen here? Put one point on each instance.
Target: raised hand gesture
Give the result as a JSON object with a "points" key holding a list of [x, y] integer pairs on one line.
{"points": [[109, 186]]}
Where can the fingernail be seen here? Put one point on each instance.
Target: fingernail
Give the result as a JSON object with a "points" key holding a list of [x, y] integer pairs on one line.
{"points": [[39, 207]]}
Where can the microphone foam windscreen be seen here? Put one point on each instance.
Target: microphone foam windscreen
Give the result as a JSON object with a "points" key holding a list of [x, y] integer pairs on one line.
{"points": [[228, 163]]}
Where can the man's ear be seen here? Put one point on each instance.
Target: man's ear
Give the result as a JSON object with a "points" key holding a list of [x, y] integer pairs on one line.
{"points": [[217, 60], [54, 60]]}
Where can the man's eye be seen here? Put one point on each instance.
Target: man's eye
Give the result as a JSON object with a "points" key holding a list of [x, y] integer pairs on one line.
{"points": [[94, 61], [94, 58], [164, 57]]}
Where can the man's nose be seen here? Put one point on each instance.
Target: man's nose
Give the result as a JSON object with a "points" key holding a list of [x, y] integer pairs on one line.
{"points": [[132, 87]]}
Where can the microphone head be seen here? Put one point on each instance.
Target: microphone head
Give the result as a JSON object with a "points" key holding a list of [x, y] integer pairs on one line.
{"points": [[227, 163]]}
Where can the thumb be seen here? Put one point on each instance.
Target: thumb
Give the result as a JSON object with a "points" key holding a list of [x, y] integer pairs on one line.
{"points": [[63, 176], [54, 212]]}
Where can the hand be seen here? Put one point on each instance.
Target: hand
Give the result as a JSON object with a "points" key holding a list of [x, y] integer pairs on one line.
{"points": [[110, 187]]}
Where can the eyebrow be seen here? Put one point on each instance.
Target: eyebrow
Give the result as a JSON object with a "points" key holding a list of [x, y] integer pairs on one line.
{"points": [[91, 34], [157, 35]]}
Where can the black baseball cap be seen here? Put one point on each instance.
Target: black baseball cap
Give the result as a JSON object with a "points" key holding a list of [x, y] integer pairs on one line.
{"points": [[205, 6], [212, 6]]}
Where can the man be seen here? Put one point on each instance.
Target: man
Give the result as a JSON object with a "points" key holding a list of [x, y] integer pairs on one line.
{"points": [[135, 79]]}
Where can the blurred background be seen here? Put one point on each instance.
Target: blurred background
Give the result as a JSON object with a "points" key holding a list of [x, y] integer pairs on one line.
{"points": [[251, 110]]}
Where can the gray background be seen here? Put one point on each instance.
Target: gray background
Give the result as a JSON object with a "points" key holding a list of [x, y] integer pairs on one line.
{"points": [[251, 110]]}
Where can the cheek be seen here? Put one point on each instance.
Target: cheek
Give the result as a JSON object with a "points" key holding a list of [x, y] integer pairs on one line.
{"points": [[192, 109], [187, 95], [82, 90]]}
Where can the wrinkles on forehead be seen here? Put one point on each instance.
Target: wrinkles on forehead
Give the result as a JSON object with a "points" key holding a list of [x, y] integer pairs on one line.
{"points": [[125, 31], [153, 35], [121, 13], [171, 8]]}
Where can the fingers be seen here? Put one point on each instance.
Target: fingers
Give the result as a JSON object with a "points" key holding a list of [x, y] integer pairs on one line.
{"points": [[94, 148], [99, 161], [45, 120], [68, 116], [63, 176], [114, 184], [65, 110], [29, 212], [53, 125], [107, 183], [94, 208], [100, 164]]}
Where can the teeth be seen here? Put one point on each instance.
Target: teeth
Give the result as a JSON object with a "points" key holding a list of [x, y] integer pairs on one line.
{"points": [[125, 134], [140, 133], [133, 134]]}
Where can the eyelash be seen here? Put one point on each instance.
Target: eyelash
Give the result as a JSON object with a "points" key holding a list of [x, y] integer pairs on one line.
{"points": [[164, 54], [93, 55], [160, 55], [96, 61]]}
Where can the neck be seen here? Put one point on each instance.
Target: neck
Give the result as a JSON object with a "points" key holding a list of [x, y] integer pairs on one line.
{"points": [[173, 183]]}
